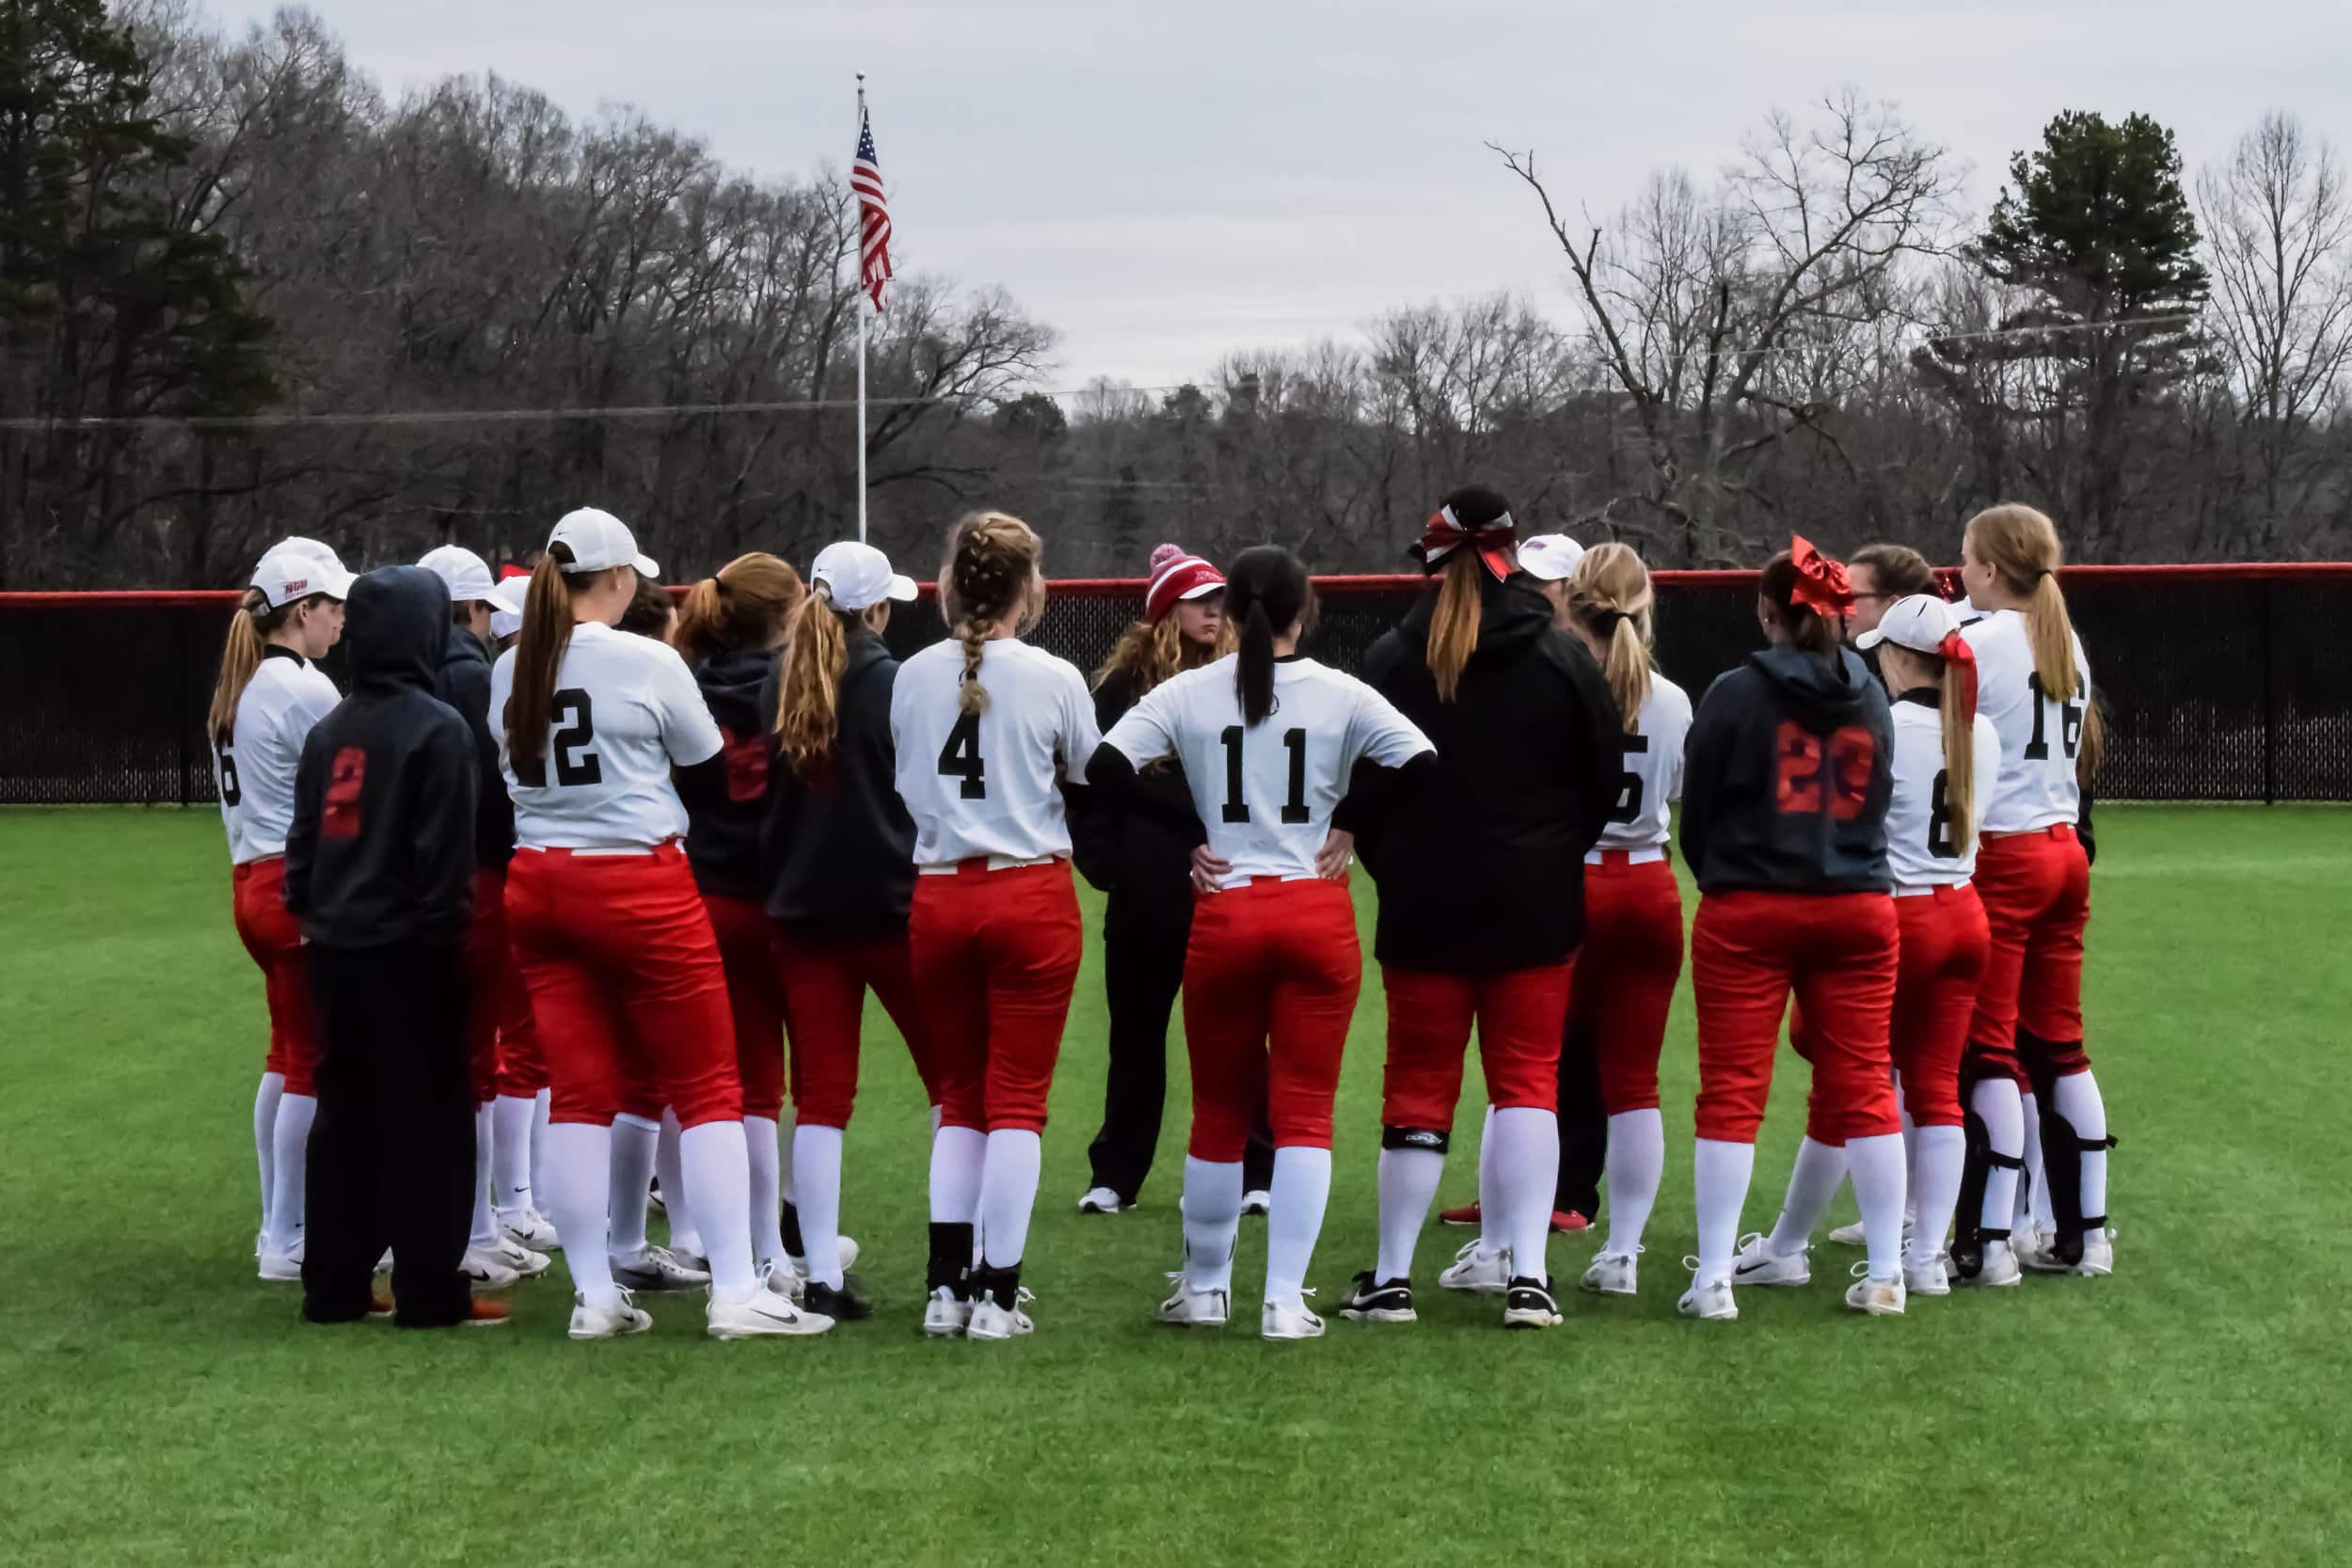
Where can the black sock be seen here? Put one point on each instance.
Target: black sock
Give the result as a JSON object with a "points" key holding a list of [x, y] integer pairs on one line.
{"points": [[1001, 1286], [792, 1242], [951, 1260]]}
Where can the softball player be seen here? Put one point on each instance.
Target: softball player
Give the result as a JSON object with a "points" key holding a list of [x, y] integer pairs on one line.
{"points": [[264, 700], [836, 856], [988, 731], [1785, 786], [1632, 952], [2034, 876], [1273, 967], [613, 939]]}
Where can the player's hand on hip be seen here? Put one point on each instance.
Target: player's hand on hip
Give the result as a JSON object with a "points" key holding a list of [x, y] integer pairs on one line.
{"points": [[1208, 872], [1337, 854]]}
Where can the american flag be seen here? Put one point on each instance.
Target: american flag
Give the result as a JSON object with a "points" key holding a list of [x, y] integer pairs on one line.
{"points": [[873, 211]]}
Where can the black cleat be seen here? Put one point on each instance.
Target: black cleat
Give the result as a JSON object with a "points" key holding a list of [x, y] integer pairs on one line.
{"points": [[849, 1304], [1378, 1301], [1528, 1303]]}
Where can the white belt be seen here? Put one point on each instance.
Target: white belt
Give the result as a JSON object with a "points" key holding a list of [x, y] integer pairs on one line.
{"points": [[587, 849], [996, 863], [1908, 890], [1632, 857]]}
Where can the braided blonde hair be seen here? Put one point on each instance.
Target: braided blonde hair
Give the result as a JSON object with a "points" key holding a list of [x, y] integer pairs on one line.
{"points": [[992, 572]]}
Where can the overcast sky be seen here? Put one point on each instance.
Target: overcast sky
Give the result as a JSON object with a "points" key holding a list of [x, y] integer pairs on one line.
{"points": [[1170, 180]]}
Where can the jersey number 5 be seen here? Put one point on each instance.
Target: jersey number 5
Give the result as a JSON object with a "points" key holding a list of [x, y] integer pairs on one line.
{"points": [[1236, 809], [1629, 782], [575, 726], [960, 758]]}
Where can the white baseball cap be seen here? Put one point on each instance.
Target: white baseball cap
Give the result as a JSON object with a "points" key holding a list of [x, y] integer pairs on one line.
{"points": [[466, 573], [1919, 622], [506, 606], [312, 547], [284, 576], [1551, 557], [858, 577], [598, 540]]}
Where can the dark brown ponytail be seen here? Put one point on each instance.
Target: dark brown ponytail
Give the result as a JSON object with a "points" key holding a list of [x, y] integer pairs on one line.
{"points": [[1266, 591]]}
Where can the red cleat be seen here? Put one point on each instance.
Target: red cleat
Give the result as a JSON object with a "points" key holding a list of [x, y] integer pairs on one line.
{"points": [[1466, 1214], [1568, 1220], [486, 1314], [379, 1306]]}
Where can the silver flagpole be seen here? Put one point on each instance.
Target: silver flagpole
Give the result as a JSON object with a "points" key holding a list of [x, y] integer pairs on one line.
{"points": [[859, 308]]}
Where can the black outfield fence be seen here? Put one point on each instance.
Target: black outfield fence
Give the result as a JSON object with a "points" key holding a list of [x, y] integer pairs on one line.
{"points": [[2220, 682]]}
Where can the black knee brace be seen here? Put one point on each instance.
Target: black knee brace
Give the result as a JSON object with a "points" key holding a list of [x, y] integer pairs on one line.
{"points": [[1434, 1141], [1978, 1161], [2062, 1151]]}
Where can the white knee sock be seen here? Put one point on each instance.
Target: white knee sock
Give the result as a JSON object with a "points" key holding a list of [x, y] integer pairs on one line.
{"points": [[578, 1181], [1493, 1235], [677, 1189], [958, 1156], [1812, 1182], [1936, 1156], [1212, 1214], [1527, 1172], [1911, 1148], [717, 1173], [541, 1103], [1637, 1163], [633, 1139], [1008, 1193], [1720, 1173], [485, 1226], [1995, 1101], [266, 1138], [1302, 1187], [2079, 1101], [1409, 1184], [2033, 1193], [767, 1169], [816, 1177], [291, 1140], [1877, 1167], [510, 1152]]}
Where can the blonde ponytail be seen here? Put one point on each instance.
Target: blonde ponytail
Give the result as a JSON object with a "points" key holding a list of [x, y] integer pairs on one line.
{"points": [[2022, 545], [240, 656], [1454, 625], [1610, 595], [808, 681], [1959, 753]]}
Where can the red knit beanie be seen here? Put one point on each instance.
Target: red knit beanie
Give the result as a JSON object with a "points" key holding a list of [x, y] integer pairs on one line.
{"points": [[1177, 575]]}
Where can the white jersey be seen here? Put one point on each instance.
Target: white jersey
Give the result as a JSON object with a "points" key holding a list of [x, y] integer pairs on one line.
{"points": [[1922, 850], [1266, 793], [2039, 735], [627, 710], [1653, 770], [255, 771], [989, 783]]}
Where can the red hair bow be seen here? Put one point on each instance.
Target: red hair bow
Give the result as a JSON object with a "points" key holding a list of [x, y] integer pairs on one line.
{"points": [[1822, 584], [1956, 651], [1444, 533]]}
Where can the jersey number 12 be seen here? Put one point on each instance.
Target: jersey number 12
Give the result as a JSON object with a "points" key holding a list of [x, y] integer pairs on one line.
{"points": [[1237, 809]]}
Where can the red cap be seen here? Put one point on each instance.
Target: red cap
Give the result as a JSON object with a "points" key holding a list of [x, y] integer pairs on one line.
{"points": [[1177, 575]]}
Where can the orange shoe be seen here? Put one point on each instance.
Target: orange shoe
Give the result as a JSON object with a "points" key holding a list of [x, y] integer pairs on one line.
{"points": [[1466, 1214], [486, 1314], [379, 1308], [1566, 1222]]}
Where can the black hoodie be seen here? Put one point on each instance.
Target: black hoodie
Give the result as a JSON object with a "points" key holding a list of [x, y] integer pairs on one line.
{"points": [[381, 848], [723, 820], [838, 847], [463, 681], [1481, 859], [1786, 778]]}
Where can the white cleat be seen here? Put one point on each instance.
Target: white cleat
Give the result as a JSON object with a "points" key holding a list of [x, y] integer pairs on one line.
{"points": [[608, 1322], [1290, 1320], [284, 1266], [527, 1227], [491, 1272], [1711, 1303], [2039, 1253], [1194, 1308], [1487, 1272], [1853, 1235], [2000, 1268], [1612, 1274], [1880, 1298], [519, 1257], [1100, 1200], [947, 1315], [1257, 1201], [992, 1322], [655, 1268], [763, 1315], [799, 1265], [384, 1264], [1758, 1264], [2098, 1253], [1930, 1278], [778, 1274]]}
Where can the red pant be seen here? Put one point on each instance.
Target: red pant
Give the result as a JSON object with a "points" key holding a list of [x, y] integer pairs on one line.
{"points": [[2036, 889], [487, 961], [1270, 980], [824, 982], [623, 968], [1519, 1014], [994, 957], [1837, 951], [274, 938], [745, 933], [522, 1070], [1626, 973], [1945, 946]]}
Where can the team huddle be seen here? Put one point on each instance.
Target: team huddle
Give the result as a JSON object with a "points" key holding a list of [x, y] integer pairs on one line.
{"points": [[536, 925]]}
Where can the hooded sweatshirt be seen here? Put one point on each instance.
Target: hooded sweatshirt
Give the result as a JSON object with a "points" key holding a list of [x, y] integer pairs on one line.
{"points": [[837, 843], [1787, 776], [463, 681], [1481, 858], [723, 819], [382, 845]]}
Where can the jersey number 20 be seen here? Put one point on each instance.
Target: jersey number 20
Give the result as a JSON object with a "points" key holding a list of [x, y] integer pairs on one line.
{"points": [[1237, 809]]}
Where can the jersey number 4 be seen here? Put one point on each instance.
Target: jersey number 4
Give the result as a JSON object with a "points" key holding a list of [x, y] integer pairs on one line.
{"points": [[2070, 724], [1237, 809], [960, 758], [574, 723]]}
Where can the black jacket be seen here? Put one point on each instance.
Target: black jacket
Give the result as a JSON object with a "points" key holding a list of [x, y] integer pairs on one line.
{"points": [[382, 845], [463, 681], [1481, 859], [723, 820], [1138, 848], [836, 848], [1786, 778]]}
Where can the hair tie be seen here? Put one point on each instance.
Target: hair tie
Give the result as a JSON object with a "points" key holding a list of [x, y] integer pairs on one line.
{"points": [[1444, 533], [1955, 649], [1822, 584]]}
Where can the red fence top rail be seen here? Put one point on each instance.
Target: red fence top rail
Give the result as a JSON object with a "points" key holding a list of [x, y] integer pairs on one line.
{"points": [[1106, 587]]}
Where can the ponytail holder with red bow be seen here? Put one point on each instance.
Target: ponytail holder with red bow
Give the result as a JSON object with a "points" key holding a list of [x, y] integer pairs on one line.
{"points": [[1822, 583], [1444, 533], [1954, 650]]}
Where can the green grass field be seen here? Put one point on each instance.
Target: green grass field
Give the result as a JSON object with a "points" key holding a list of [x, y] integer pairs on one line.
{"points": [[160, 1404]]}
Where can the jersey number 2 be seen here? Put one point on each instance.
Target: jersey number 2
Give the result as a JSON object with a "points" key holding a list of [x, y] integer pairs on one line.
{"points": [[960, 758], [1236, 809]]}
